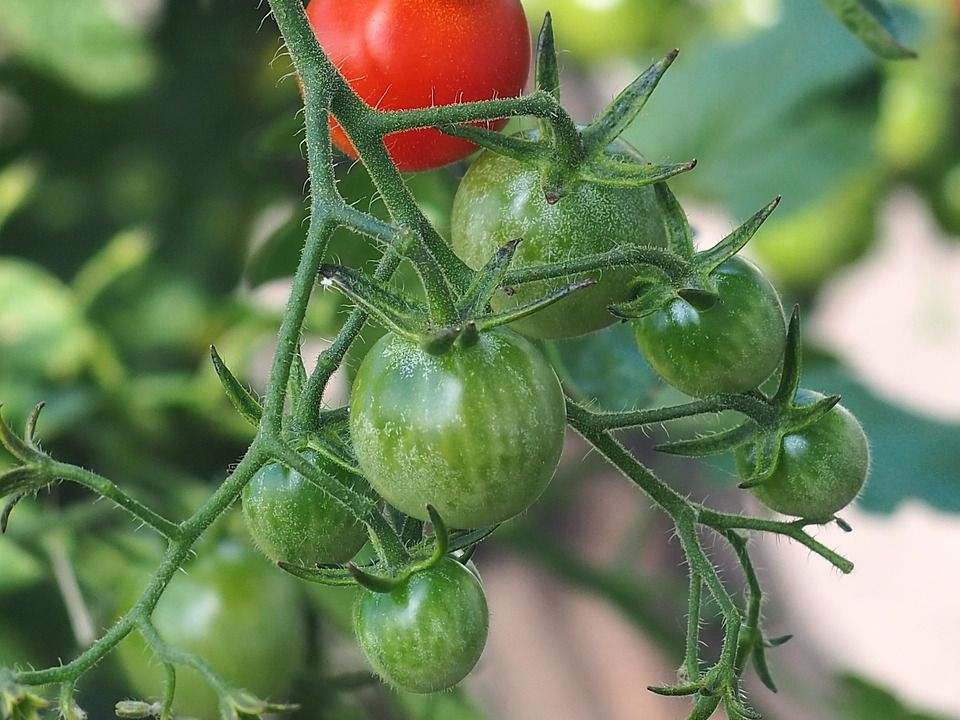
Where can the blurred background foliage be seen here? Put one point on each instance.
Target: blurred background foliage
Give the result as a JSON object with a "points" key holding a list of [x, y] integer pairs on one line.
{"points": [[152, 203]]}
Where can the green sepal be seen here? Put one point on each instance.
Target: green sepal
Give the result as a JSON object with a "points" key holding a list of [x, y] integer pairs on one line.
{"points": [[613, 173], [334, 576], [767, 450], [373, 582], [487, 280], [653, 298], [705, 705], [30, 428], [676, 227], [241, 398], [869, 21], [396, 312], [298, 376], [805, 415], [624, 108], [458, 540], [336, 454], [843, 524], [441, 542], [712, 444], [736, 710], [21, 449], [7, 509], [547, 72], [777, 641], [20, 480], [489, 322], [675, 690], [715, 256], [792, 362], [516, 148]]}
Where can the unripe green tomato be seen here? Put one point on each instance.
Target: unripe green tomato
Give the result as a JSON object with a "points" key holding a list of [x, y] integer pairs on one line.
{"points": [[501, 199], [822, 467], [427, 634], [233, 609], [293, 520], [731, 347], [476, 431]]}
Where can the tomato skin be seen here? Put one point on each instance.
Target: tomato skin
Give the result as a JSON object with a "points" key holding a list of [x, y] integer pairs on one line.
{"points": [[822, 467], [291, 519], [427, 634], [232, 608], [731, 347], [501, 199], [403, 54], [476, 432]]}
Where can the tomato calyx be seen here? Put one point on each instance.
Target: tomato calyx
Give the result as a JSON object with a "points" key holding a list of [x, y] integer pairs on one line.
{"points": [[17, 700], [770, 419], [566, 154], [411, 319]]}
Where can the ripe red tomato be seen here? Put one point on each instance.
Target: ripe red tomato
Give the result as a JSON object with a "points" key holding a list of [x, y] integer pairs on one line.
{"points": [[403, 54]]}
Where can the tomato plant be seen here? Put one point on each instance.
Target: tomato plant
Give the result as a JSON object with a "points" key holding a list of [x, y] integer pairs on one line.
{"points": [[731, 346], [293, 520], [476, 431], [500, 199], [234, 610], [428, 633], [822, 466], [399, 54]]}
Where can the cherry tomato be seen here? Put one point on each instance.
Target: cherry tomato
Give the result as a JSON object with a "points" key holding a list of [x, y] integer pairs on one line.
{"points": [[476, 432], [402, 54], [292, 519], [822, 467], [427, 634], [235, 610], [501, 199], [731, 347]]}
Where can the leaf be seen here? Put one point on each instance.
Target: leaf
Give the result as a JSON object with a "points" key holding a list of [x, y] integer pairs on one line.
{"points": [[870, 21], [862, 700], [92, 45], [626, 381], [789, 110], [902, 445]]}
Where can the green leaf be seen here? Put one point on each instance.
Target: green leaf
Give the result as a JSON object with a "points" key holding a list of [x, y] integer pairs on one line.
{"points": [[92, 45], [862, 700], [911, 456], [871, 22], [788, 110], [606, 367]]}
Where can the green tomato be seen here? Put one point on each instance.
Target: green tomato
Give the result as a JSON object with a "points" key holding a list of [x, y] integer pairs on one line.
{"points": [[500, 199], [236, 611], [292, 519], [731, 347], [476, 432], [822, 467], [427, 634]]}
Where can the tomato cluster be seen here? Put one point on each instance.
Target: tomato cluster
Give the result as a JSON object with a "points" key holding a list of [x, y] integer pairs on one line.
{"points": [[469, 434]]}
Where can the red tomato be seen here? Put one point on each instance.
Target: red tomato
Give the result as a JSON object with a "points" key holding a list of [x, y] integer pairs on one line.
{"points": [[403, 54]]}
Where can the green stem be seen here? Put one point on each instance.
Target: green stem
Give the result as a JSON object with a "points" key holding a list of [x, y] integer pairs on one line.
{"points": [[675, 266], [103, 487], [691, 656]]}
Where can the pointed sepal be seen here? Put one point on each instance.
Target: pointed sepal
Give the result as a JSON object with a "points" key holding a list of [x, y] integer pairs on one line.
{"points": [[17, 701], [806, 415], [651, 299], [243, 704], [675, 690], [675, 224], [712, 444], [511, 146], [613, 173], [373, 582], [547, 73], [437, 343], [625, 108], [241, 398], [395, 311], [21, 448], [766, 451], [792, 362], [521, 311], [335, 576], [7, 509], [487, 280], [715, 256]]}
